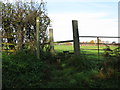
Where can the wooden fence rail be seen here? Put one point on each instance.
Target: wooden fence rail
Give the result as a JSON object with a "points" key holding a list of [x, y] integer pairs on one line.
{"points": [[75, 40]]}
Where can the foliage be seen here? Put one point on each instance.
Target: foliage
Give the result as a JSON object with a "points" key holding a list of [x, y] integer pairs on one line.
{"points": [[92, 42], [19, 23], [24, 70], [59, 70], [116, 51], [109, 52]]}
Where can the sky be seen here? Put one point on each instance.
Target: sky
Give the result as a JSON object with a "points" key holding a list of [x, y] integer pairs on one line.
{"points": [[95, 18]]}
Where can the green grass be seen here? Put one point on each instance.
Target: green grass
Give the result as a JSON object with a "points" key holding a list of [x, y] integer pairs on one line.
{"points": [[61, 48], [58, 70]]}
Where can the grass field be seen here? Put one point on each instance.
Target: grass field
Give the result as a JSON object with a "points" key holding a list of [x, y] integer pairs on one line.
{"points": [[84, 49]]}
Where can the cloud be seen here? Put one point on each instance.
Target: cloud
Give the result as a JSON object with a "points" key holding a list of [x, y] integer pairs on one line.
{"points": [[82, 0], [59, 1], [88, 24]]}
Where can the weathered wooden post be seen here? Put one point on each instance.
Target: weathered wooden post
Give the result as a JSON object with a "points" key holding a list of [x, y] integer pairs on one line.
{"points": [[76, 37], [51, 40], [19, 38], [119, 23], [0, 69], [98, 46], [37, 38]]}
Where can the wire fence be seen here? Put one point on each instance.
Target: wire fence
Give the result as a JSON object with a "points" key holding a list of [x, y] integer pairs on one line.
{"points": [[81, 46], [97, 47], [100, 46]]}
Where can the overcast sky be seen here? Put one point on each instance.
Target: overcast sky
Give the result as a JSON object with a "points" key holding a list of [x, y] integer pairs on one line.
{"points": [[95, 18]]}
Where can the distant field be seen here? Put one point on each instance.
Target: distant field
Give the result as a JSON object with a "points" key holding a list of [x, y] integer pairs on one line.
{"points": [[61, 48]]}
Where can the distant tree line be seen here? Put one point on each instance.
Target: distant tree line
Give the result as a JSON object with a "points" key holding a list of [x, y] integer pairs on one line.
{"points": [[19, 24]]}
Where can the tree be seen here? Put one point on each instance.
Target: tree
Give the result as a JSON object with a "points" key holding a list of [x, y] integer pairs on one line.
{"points": [[92, 42], [19, 24]]}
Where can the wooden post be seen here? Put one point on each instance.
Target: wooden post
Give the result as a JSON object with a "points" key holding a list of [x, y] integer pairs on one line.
{"points": [[98, 46], [51, 40], [76, 37], [118, 24], [19, 37], [37, 38], [0, 58]]}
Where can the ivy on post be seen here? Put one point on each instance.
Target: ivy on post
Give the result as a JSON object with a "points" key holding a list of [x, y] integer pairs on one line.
{"points": [[76, 37], [37, 37], [51, 40]]}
